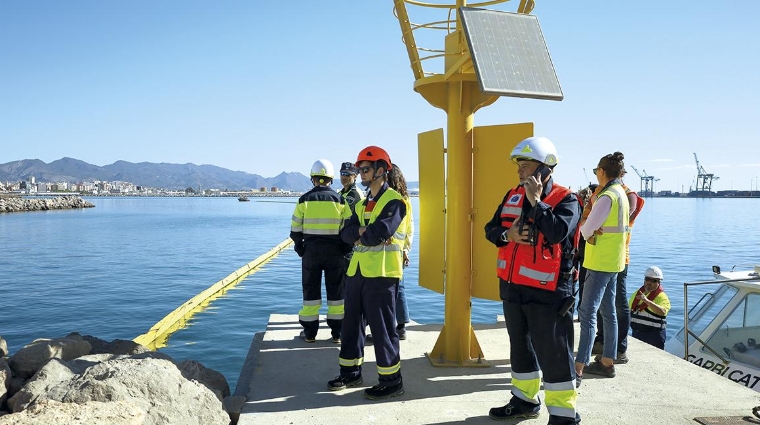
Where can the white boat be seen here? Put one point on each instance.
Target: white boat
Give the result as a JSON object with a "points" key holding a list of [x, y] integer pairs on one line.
{"points": [[724, 327]]}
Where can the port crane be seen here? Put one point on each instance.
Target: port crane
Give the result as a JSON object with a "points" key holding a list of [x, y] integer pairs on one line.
{"points": [[704, 179], [647, 182]]}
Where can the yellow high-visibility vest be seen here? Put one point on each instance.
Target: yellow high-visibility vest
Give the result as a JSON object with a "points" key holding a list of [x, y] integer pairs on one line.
{"points": [[608, 253], [384, 260]]}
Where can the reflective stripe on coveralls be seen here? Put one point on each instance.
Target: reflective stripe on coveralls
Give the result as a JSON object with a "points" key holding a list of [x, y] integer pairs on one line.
{"points": [[335, 309], [310, 310], [561, 398], [526, 386]]}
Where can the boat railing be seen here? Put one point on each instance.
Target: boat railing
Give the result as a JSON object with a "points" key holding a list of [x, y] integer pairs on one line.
{"points": [[687, 316]]}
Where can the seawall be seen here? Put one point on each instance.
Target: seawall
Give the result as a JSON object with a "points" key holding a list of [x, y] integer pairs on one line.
{"points": [[42, 204]]}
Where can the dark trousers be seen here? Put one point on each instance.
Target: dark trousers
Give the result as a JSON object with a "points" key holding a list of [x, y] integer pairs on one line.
{"points": [[371, 301], [623, 314], [540, 339], [318, 259], [655, 337]]}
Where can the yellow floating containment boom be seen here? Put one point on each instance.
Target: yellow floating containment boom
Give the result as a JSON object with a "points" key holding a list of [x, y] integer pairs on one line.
{"points": [[157, 336]]}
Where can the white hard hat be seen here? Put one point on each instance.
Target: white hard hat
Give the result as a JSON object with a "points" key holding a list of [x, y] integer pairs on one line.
{"points": [[654, 272], [323, 168], [538, 149]]}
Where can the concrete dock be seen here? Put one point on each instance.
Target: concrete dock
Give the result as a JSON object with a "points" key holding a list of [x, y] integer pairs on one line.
{"points": [[285, 382]]}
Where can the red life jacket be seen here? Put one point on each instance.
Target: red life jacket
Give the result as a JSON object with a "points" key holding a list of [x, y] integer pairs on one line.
{"points": [[536, 266], [639, 305]]}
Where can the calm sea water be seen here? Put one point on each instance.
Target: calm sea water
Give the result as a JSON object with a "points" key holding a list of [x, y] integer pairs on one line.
{"points": [[113, 271]]}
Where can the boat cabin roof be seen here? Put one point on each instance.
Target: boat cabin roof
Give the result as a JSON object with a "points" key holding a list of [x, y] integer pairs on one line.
{"points": [[751, 284]]}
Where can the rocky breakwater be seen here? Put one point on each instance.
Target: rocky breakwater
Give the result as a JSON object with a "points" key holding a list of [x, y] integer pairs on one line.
{"points": [[87, 381], [18, 204]]}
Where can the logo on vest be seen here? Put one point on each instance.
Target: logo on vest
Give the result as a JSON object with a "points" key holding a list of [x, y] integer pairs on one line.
{"points": [[514, 199]]}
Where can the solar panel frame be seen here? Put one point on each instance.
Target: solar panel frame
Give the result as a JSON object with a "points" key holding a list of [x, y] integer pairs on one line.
{"points": [[509, 54]]}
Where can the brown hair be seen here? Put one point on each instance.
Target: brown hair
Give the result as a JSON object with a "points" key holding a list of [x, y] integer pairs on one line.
{"points": [[612, 164], [396, 181]]}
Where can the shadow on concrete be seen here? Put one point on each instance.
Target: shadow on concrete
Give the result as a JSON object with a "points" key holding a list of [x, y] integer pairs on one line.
{"points": [[292, 375]]}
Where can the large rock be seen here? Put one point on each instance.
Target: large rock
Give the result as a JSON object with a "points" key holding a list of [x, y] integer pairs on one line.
{"points": [[46, 379], [212, 379], [153, 384], [28, 360], [42, 204], [50, 412], [117, 346]]}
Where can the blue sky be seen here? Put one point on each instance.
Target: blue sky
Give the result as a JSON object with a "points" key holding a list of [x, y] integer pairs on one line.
{"points": [[266, 87]]}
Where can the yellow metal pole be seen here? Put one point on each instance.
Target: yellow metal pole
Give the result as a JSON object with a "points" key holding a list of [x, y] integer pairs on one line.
{"points": [[457, 344]]}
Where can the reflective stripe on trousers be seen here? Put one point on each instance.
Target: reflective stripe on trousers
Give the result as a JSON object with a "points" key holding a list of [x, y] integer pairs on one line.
{"points": [[310, 311], [561, 398], [526, 386], [335, 309]]}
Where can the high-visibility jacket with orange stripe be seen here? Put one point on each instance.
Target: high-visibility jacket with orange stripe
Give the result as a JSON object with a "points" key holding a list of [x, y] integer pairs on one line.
{"points": [[536, 266]]}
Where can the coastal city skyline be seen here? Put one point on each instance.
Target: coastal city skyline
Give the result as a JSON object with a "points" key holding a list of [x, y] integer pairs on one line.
{"points": [[287, 184], [195, 83]]}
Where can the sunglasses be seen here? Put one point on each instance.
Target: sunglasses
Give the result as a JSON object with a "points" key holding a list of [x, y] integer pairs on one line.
{"points": [[346, 173], [651, 279], [594, 170], [364, 170]]}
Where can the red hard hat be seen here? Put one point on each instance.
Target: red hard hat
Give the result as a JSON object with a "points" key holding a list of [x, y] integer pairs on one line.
{"points": [[372, 154]]}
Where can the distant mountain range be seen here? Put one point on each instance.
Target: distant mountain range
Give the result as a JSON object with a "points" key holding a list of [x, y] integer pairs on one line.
{"points": [[163, 175]]}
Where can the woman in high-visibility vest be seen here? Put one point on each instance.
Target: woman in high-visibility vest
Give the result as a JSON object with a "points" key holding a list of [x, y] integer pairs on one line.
{"points": [[372, 280], [605, 232]]}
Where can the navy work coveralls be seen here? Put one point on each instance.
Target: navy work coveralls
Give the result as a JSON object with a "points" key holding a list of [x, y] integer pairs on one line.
{"points": [[541, 339], [314, 231], [372, 300]]}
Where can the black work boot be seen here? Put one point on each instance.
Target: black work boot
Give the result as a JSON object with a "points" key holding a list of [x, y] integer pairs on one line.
{"points": [[382, 391], [515, 409], [343, 382]]}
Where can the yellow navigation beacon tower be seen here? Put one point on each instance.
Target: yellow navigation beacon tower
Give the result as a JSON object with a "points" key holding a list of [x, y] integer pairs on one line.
{"points": [[485, 54]]}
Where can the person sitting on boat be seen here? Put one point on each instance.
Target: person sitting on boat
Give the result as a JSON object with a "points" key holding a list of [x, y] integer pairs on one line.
{"points": [[315, 228], [350, 192], [373, 277], [649, 307]]}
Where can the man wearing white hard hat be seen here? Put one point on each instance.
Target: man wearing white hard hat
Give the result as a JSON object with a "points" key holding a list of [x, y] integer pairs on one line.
{"points": [[314, 228], [649, 308], [535, 229]]}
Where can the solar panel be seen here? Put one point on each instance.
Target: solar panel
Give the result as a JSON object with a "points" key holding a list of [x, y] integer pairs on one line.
{"points": [[509, 54]]}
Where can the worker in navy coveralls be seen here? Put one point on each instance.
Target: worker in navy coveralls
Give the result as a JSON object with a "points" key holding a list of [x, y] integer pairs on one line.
{"points": [[535, 228], [373, 278], [314, 229]]}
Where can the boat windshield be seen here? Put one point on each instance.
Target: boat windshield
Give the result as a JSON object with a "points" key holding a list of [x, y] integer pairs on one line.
{"points": [[708, 310], [739, 333]]}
